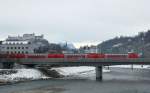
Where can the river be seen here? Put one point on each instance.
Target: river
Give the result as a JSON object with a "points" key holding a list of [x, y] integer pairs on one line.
{"points": [[118, 80]]}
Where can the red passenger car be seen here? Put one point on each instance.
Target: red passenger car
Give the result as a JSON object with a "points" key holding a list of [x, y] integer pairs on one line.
{"points": [[36, 56], [94, 55], [116, 56], [133, 55], [16, 55], [55, 55], [4, 55]]}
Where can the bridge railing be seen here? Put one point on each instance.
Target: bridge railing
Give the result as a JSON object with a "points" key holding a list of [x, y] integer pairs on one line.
{"points": [[30, 60]]}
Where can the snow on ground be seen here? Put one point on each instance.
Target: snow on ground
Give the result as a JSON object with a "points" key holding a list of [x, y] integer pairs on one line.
{"points": [[66, 71], [34, 74], [23, 74], [134, 66]]}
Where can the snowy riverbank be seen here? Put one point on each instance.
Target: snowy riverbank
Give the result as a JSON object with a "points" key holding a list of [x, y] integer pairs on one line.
{"points": [[21, 74], [66, 71], [133, 66], [11, 75]]}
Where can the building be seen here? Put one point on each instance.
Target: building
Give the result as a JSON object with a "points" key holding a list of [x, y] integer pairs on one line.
{"points": [[88, 49], [25, 44], [0, 46]]}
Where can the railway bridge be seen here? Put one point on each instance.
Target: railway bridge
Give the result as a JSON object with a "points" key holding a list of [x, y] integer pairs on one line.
{"points": [[98, 63]]}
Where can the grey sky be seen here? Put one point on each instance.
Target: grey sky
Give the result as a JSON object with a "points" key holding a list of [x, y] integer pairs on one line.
{"points": [[78, 21]]}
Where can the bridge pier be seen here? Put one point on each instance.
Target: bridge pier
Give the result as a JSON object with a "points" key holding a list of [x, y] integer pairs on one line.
{"points": [[99, 73]]}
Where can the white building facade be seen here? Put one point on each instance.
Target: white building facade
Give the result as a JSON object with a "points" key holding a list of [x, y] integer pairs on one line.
{"points": [[21, 44]]}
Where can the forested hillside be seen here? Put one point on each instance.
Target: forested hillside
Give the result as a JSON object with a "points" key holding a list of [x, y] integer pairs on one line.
{"points": [[139, 44]]}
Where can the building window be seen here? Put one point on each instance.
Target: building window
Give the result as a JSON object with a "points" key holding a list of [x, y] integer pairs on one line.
{"points": [[15, 52], [15, 47], [11, 47], [18, 47], [26, 52], [26, 47], [18, 52], [22, 47], [22, 52], [7, 47]]}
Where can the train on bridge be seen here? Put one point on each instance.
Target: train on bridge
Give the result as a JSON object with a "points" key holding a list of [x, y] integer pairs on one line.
{"points": [[72, 56]]}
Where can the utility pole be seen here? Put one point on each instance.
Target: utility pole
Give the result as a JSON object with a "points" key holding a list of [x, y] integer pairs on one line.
{"points": [[143, 47]]}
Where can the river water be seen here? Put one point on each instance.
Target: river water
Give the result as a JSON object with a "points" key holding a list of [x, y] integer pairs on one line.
{"points": [[118, 80]]}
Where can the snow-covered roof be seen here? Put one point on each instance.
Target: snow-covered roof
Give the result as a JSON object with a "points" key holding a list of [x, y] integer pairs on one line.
{"points": [[117, 45]]}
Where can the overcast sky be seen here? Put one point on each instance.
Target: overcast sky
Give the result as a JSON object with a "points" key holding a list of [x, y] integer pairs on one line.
{"points": [[77, 21]]}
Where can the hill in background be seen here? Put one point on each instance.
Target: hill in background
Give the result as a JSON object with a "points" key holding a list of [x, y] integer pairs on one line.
{"points": [[138, 44]]}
